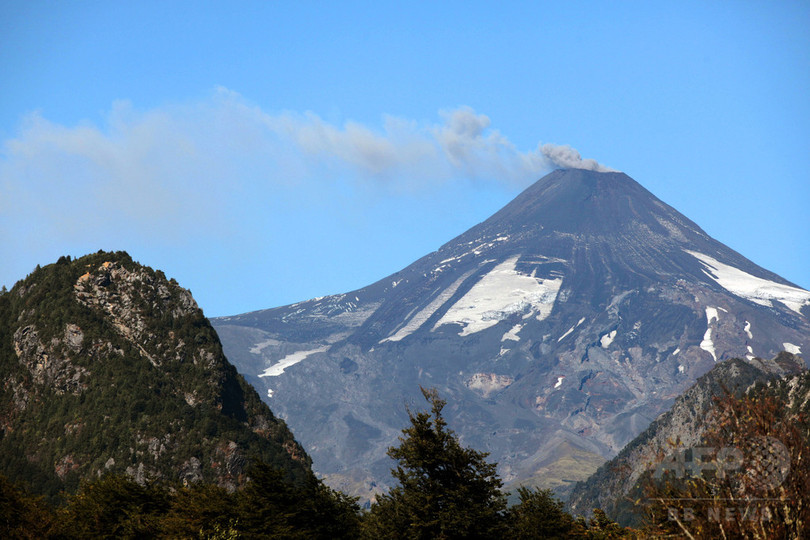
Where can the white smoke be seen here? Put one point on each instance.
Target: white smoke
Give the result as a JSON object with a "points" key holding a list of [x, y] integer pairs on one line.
{"points": [[568, 158], [207, 169], [405, 152], [224, 137]]}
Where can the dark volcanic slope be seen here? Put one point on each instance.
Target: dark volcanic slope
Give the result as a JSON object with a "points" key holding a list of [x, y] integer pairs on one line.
{"points": [[557, 329], [108, 366]]}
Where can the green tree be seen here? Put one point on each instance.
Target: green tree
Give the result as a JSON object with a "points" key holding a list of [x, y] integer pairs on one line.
{"points": [[23, 516], [203, 510], [270, 506], [445, 491], [601, 527], [539, 515], [115, 506]]}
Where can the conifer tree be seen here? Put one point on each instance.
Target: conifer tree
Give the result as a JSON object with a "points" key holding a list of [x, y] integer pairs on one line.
{"points": [[445, 490], [539, 515], [23, 516], [271, 507], [114, 506]]}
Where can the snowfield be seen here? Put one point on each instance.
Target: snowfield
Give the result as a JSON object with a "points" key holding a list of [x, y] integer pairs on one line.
{"points": [[707, 344], [419, 319], [607, 339], [791, 348], [758, 290], [290, 360], [500, 293], [513, 333]]}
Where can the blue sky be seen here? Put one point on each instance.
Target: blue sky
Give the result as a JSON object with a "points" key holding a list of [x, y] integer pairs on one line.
{"points": [[264, 153]]}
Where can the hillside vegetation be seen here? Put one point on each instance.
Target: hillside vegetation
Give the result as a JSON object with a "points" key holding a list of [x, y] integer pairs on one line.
{"points": [[109, 367]]}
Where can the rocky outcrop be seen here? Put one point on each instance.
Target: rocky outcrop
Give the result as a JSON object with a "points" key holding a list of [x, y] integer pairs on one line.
{"points": [[49, 364], [682, 426], [109, 366], [132, 300]]}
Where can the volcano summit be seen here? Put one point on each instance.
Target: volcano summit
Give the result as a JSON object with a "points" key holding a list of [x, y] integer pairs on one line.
{"points": [[557, 330]]}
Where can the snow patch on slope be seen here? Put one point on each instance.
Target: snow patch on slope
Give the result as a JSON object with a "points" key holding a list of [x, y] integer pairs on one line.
{"points": [[791, 348], [420, 318], [707, 344], [582, 320], [755, 289], [562, 337], [607, 339], [257, 348], [290, 360], [477, 250], [500, 293], [513, 333]]}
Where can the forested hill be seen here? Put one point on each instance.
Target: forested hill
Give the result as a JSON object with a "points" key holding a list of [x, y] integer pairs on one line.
{"points": [[107, 366]]}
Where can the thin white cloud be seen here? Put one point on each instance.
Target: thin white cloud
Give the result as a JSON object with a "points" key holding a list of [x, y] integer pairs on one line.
{"points": [[153, 174], [216, 137]]}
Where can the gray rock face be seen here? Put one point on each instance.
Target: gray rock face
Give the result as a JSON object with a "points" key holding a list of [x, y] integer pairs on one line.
{"points": [[47, 363], [557, 330]]}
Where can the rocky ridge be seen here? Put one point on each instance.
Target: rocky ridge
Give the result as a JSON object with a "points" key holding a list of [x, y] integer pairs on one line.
{"points": [[109, 366]]}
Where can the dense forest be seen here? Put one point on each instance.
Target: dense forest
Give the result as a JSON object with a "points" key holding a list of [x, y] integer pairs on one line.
{"points": [[444, 491], [448, 491]]}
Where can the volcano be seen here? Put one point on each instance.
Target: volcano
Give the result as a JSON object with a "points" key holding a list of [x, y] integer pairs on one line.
{"points": [[557, 330]]}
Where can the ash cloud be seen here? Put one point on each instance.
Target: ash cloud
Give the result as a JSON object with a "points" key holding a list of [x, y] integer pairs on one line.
{"points": [[224, 172], [225, 138], [408, 154], [568, 158], [150, 172]]}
